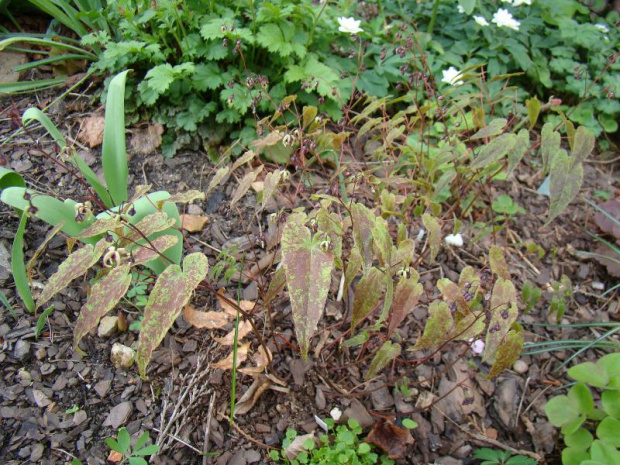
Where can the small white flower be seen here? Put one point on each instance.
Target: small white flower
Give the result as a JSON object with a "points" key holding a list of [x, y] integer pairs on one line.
{"points": [[460, 9], [481, 21], [503, 18], [507, 1], [451, 75], [454, 239], [420, 235], [350, 25], [602, 27], [522, 2], [336, 413], [477, 346]]}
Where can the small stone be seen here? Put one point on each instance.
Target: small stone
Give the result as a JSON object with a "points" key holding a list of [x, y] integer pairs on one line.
{"points": [[5, 264], [119, 415], [24, 377], [40, 398], [22, 350], [193, 209], [79, 417], [520, 367], [122, 356], [107, 326], [252, 456], [37, 453], [597, 285]]}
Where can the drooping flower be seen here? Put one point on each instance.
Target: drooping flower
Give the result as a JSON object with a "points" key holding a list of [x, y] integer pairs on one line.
{"points": [[602, 27], [521, 2], [451, 76], [460, 9], [481, 21], [350, 25], [503, 18], [477, 346], [454, 239]]}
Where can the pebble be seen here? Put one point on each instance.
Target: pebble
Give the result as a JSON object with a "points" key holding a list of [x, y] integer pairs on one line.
{"points": [[122, 356], [22, 350], [107, 326], [520, 367], [119, 415]]}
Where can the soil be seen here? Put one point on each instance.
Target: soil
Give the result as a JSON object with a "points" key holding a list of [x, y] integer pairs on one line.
{"points": [[56, 405]]}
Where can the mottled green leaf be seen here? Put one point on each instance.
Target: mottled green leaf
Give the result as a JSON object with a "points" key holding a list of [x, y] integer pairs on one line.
{"points": [[437, 327], [406, 296], [220, 174], [244, 185], [308, 114], [387, 299], [308, 268], [331, 224], [271, 182], [564, 185], [468, 327], [403, 255], [100, 226], [150, 224], [494, 150], [356, 340], [469, 279], [504, 312], [533, 110], [494, 128], [147, 252], [518, 150], [104, 295], [583, 145], [186, 197], [434, 234], [549, 145], [450, 291], [354, 265], [363, 221], [276, 285], [507, 353], [74, 266], [382, 239], [368, 291], [170, 294], [384, 356], [498, 263]]}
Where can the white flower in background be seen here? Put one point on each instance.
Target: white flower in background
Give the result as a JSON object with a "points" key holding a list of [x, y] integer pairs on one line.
{"points": [[454, 239], [420, 235], [350, 25], [477, 346], [521, 2], [335, 413], [602, 27], [481, 21], [503, 18], [460, 9], [507, 1], [450, 76]]}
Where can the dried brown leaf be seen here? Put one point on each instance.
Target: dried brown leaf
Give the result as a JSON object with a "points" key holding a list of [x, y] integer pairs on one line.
{"points": [[147, 139], [230, 308], [206, 320], [227, 363], [193, 223], [244, 328], [261, 359], [391, 439], [91, 132], [251, 396]]}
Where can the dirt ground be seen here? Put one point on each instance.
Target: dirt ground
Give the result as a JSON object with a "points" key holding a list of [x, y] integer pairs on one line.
{"points": [[56, 404]]}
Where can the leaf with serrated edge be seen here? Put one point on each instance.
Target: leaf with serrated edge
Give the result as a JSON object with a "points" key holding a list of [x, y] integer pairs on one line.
{"points": [[244, 329], [74, 266], [101, 226], [549, 145], [518, 150], [186, 197], [449, 290], [564, 184], [494, 151], [271, 182], [331, 224], [150, 224], [503, 304], [368, 291], [507, 353], [308, 272], [206, 320], [403, 255], [243, 159], [434, 234], [217, 178], [583, 145], [244, 185], [171, 292], [494, 128], [498, 263], [437, 326], [383, 358], [382, 239], [104, 295], [144, 253], [406, 296], [363, 222]]}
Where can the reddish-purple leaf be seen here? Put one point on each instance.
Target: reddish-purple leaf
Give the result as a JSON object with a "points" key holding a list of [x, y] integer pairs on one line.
{"points": [[383, 358], [507, 353], [145, 253], [437, 326], [363, 221], [406, 296], [434, 234], [498, 263], [148, 225], [104, 295], [368, 291], [504, 312]]}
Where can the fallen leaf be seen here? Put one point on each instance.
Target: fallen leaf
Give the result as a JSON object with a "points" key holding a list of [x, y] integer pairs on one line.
{"points": [[227, 363], [91, 132], [297, 446], [261, 359], [193, 223], [391, 439], [229, 307], [115, 456], [491, 433], [244, 328], [258, 185], [608, 258], [251, 396], [146, 140], [206, 320]]}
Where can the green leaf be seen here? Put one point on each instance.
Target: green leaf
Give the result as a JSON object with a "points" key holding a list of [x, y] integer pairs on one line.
{"points": [[498, 263], [42, 320], [437, 326], [104, 296], [574, 456], [144, 437], [434, 234], [383, 358], [515, 154], [406, 296], [18, 266], [409, 423], [113, 444], [604, 453], [611, 403], [123, 439], [494, 128], [36, 114], [113, 151], [171, 292], [533, 110], [563, 411], [494, 150], [137, 461], [607, 431], [148, 450], [487, 454], [363, 223], [93, 180], [207, 77], [549, 145], [507, 353], [504, 312], [580, 439], [583, 144], [74, 266], [308, 266], [564, 185], [589, 373], [368, 291]]}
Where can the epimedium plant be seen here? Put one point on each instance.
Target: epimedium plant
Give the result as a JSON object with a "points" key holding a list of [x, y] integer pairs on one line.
{"points": [[127, 233], [577, 415]]}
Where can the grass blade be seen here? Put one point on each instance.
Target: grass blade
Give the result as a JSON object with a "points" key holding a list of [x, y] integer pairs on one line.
{"points": [[6, 303], [18, 266]]}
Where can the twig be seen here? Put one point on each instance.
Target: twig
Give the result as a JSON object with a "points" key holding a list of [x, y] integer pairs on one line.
{"points": [[518, 415], [198, 451], [205, 446], [248, 437]]}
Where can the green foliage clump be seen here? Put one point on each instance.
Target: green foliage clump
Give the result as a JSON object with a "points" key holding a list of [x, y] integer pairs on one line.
{"points": [[578, 416], [499, 457]]}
